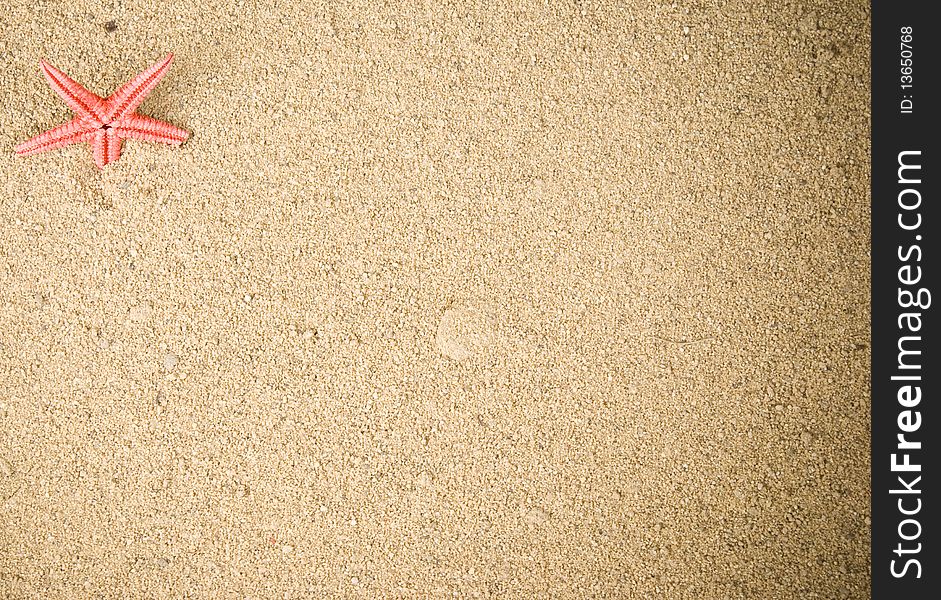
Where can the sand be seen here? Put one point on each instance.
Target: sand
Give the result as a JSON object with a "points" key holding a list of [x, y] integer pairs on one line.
{"points": [[440, 300]]}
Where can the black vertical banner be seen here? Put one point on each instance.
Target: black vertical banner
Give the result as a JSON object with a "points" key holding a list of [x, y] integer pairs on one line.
{"points": [[906, 373]]}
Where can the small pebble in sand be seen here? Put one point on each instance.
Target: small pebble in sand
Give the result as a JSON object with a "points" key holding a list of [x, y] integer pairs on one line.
{"points": [[139, 313], [170, 361], [536, 516], [464, 332]]}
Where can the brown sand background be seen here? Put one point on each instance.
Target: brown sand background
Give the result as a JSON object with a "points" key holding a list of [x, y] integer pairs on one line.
{"points": [[440, 300]]}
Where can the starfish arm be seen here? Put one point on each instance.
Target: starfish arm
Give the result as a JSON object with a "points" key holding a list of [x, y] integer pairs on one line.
{"points": [[129, 96], [85, 104], [105, 147], [76, 130], [140, 127]]}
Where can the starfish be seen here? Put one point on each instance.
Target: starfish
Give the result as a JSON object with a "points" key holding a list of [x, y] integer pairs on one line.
{"points": [[105, 122]]}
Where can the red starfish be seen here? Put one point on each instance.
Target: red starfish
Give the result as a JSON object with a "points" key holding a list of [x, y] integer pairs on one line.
{"points": [[105, 122]]}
